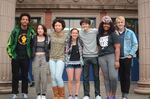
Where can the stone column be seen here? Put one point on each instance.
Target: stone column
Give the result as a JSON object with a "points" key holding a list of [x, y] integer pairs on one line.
{"points": [[144, 47], [7, 16]]}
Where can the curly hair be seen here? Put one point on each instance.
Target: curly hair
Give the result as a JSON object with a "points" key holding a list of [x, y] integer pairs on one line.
{"points": [[101, 29], [60, 21], [25, 14]]}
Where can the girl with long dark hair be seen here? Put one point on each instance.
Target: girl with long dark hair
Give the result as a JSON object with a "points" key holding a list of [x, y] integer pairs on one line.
{"points": [[40, 54], [74, 61], [109, 52]]}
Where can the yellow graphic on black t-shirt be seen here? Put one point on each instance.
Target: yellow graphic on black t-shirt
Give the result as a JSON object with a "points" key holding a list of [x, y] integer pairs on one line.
{"points": [[22, 39]]}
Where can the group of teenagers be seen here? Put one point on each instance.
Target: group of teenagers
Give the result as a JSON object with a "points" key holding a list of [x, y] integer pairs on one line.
{"points": [[111, 47]]}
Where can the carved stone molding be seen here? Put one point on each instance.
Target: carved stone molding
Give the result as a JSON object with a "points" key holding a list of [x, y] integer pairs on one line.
{"points": [[131, 1], [106, 1], [20, 1], [76, 0]]}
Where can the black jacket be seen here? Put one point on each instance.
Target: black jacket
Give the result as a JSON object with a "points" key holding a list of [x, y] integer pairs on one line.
{"points": [[47, 47]]}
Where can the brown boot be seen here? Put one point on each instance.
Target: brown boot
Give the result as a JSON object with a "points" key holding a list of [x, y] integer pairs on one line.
{"points": [[61, 92], [55, 92]]}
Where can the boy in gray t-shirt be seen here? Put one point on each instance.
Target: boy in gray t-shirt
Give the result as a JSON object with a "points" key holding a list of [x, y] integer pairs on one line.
{"points": [[90, 54]]}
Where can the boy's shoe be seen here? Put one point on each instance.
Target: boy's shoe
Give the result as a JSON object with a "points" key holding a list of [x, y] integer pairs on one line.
{"points": [[14, 96], [98, 97], [124, 95], [86, 97], [25, 96]]}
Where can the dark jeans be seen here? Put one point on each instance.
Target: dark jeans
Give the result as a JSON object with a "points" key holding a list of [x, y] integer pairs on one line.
{"points": [[124, 74], [91, 61], [20, 66]]}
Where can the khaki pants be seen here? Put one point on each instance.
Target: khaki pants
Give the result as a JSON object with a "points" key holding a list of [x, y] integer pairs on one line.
{"points": [[40, 72]]}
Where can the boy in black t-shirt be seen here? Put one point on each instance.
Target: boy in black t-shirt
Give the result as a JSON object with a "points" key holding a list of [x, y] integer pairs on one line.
{"points": [[19, 50]]}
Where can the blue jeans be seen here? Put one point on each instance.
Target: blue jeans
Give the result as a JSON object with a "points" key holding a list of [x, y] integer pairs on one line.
{"points": [[30, 75], [56, 69]]}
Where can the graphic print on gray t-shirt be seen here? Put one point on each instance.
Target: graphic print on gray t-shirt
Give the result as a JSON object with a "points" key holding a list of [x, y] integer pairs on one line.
{"points": [[103, 41], [106, 43]]}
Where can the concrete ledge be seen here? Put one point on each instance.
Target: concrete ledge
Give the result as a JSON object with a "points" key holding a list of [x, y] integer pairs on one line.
{"points": [[143, 87], [5, 88], [141, 90]]}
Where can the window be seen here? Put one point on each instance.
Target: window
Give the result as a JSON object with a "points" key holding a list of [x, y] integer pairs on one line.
{"points": [[132, 24], [75, 23]]}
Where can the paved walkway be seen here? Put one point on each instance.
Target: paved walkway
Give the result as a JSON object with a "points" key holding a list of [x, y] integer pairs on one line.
{"points": [[132, 95]]}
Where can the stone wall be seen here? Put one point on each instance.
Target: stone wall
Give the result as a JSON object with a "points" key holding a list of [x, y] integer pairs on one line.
{"points": [[79, 4], [7, 18], [144, 47]]}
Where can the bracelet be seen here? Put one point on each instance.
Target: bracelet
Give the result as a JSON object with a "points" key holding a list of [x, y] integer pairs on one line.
{"points": [[116, 60]]}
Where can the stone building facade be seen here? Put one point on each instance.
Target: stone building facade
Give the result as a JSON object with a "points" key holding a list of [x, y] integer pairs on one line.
{"points": [[47, 10]]}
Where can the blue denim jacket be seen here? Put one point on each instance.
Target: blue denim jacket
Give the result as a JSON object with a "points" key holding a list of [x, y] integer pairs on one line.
{"points": [[130, 43]]}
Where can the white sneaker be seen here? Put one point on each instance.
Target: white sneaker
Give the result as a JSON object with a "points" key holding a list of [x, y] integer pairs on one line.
{"points": [[76, 97], [98, 97], [86, 97], [38, 97], [14, 96], [25, 96], [43, 97], [124, 98], [70, 97]]}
